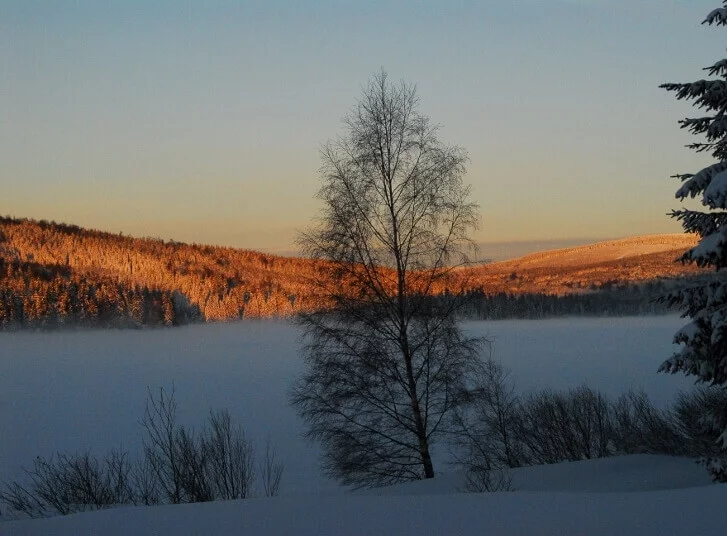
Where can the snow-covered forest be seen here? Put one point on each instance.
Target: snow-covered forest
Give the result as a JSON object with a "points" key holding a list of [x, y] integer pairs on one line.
{"points": [[54, 275]]}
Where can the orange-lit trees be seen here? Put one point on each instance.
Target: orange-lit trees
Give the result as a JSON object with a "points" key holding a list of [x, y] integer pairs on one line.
{"points": [[387, 364]]}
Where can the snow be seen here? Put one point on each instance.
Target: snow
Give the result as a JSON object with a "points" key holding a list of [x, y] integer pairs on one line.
{"points": [[433, 507], [709, 246], [694, 184], [688, 332], [715, 195], [68, 391], [716, 15], [638, 472], [71, 391]]}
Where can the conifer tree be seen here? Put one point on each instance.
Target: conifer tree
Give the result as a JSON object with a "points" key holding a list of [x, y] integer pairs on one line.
{"points": [[703, 351]]}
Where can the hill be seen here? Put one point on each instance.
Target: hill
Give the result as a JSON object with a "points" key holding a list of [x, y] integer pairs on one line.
{"points": [[612, 250], [55, 274], [632, 260], [42, 264]]}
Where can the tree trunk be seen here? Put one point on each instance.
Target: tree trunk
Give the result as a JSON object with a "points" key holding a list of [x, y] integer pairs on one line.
{"points": [[416, 411]]}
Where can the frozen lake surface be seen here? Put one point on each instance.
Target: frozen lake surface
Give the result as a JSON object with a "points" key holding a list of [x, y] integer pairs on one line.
{"points": [[75, 390]]}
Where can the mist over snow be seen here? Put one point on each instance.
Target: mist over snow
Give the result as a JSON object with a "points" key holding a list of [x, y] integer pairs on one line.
{"points": [[74, 390], [68, 391]]}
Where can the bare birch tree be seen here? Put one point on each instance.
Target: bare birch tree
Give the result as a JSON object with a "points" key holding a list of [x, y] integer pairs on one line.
{"points": [[386, 362]]}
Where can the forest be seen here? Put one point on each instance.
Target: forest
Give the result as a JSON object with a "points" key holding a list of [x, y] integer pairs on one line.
{"points": [[54, 275]]}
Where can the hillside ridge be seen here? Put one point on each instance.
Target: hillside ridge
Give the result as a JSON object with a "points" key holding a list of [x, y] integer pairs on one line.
{"points": [[56, 274], [605, 251]]}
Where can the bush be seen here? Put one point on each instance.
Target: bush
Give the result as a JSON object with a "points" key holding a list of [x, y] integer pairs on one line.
{"points": [[66, 484], [702, 417], [641, 428], [484, 440], [555, 427], [179, 465], [694, 412], [498, 429], [217, 463]]}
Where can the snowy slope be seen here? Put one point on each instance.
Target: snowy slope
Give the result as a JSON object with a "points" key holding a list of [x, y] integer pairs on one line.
{"points": [[698, 511], [605, 251], [405, 510], [633, 473]]}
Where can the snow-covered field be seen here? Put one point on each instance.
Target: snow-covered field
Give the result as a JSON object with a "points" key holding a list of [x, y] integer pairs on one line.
{"points": [[68, 391], [597, 497]]}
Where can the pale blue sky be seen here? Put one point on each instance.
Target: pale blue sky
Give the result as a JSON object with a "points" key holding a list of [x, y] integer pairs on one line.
{"points": [[201, 121]]}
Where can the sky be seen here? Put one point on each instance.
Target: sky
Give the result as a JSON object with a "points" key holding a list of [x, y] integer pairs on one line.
{"points": [[202, 121]]}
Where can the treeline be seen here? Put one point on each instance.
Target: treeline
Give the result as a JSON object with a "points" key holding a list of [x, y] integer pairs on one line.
{"points": [[205, 282], [49, 296], [629, 300], [55, 274]]}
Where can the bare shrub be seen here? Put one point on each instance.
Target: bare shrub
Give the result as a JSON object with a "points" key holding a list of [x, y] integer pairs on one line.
{"points": [[479, 479], [160, 444], [497, 408], [229, 457], [484, 440], [145, 483], [701, 417], [65, 484], [555, 427], [193, 467], [641, 428], [271, 471], [696, 414], [179, 465], [218, 463], [497, 429]]}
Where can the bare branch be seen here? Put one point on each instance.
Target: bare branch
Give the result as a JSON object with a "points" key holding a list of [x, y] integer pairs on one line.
{"points": [[386, 365]]}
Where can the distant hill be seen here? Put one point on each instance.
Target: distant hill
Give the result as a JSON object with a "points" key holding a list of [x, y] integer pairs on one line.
{"points": [[612, 250], [55, 274], [604, 264]]}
